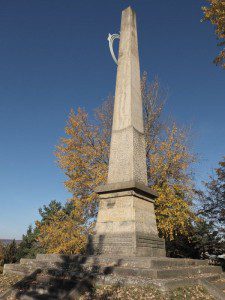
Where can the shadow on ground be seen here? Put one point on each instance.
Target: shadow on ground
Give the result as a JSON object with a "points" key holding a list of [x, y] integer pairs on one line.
{"points": [[69, 278]]}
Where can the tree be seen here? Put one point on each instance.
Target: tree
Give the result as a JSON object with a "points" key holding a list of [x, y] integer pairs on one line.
{"points": [[83, 155], [202, 238], [2, 254], [213, 200], [205, 238], [10, 252], [215, 13], [46, 212], [169, 161], [62, 230], [29, 245]]}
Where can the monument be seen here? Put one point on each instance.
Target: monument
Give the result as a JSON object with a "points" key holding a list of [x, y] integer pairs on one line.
{"points": [[126, 245], [126, 223]]}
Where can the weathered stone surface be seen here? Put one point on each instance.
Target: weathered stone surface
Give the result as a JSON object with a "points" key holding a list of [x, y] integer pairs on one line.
{"points": [[128, 186], [126, 222], [127, 151], [126, 225], [127, 156], [128, 245]]}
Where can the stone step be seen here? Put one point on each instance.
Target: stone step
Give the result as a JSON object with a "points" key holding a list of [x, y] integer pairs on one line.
{"points": [[54, 261], [187, 272], [62, 258], [27, 260], [162, 284], [18, 269], [41, 264], [178, 262], [171, 272], [128, 261], [126, 267], [215, 287], [171, 284], [220, 284], [161, 273], [27, 267], [143, 262]]}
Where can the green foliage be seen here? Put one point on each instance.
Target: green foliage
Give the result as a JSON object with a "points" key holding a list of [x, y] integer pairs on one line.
{"points": [[29, 246], [10, 252], [201, 238], [48, 211], [213, 200], [2, 254], [206, 239], [209, 233], [62, 230]]}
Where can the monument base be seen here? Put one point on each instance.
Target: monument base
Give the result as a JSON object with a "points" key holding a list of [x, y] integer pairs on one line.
{"points": [[126, 223], [58, 276], [128, 244]]}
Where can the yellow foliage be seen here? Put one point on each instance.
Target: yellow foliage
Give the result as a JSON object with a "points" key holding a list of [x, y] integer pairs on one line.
{"points": [[169, 162], [63, 233], [215, 13], [83, 155]]}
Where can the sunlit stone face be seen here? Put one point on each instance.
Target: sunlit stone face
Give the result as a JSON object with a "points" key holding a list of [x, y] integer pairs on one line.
{"points": [[126, 223]]}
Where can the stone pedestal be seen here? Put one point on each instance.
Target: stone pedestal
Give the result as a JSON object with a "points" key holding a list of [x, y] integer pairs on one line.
{"points": [[126, 223]]}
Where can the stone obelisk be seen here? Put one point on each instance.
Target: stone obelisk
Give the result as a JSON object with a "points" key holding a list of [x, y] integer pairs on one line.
{"points": [[126, 223]]}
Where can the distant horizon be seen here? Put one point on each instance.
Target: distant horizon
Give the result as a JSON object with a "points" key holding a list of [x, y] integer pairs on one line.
{"points": [[56, 57], [8, 241]]}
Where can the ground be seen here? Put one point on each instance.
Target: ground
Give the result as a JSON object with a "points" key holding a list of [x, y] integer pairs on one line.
{"points": [[126, 293], [6, 281], [146, 293]]}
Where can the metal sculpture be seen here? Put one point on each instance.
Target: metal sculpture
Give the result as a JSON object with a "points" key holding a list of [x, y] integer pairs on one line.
{"points": [[111, 38]]}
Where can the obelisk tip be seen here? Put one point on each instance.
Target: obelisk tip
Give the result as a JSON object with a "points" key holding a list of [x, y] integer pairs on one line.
{"points": [[129, 8]]}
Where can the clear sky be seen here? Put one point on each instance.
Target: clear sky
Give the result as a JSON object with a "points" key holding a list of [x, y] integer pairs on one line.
{"points": [[54, 56]]}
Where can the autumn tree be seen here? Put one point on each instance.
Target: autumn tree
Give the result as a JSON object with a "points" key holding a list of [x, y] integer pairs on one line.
{"points": [[169, 174], [168, 162], [215, 13], [83, 155], [54, 213], [61, 229]]}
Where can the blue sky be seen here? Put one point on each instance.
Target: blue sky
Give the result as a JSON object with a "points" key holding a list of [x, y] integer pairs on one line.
{"points": [[54, 56]]}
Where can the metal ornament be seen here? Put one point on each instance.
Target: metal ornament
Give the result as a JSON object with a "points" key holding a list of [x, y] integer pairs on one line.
{"points": [[111, 38]]}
